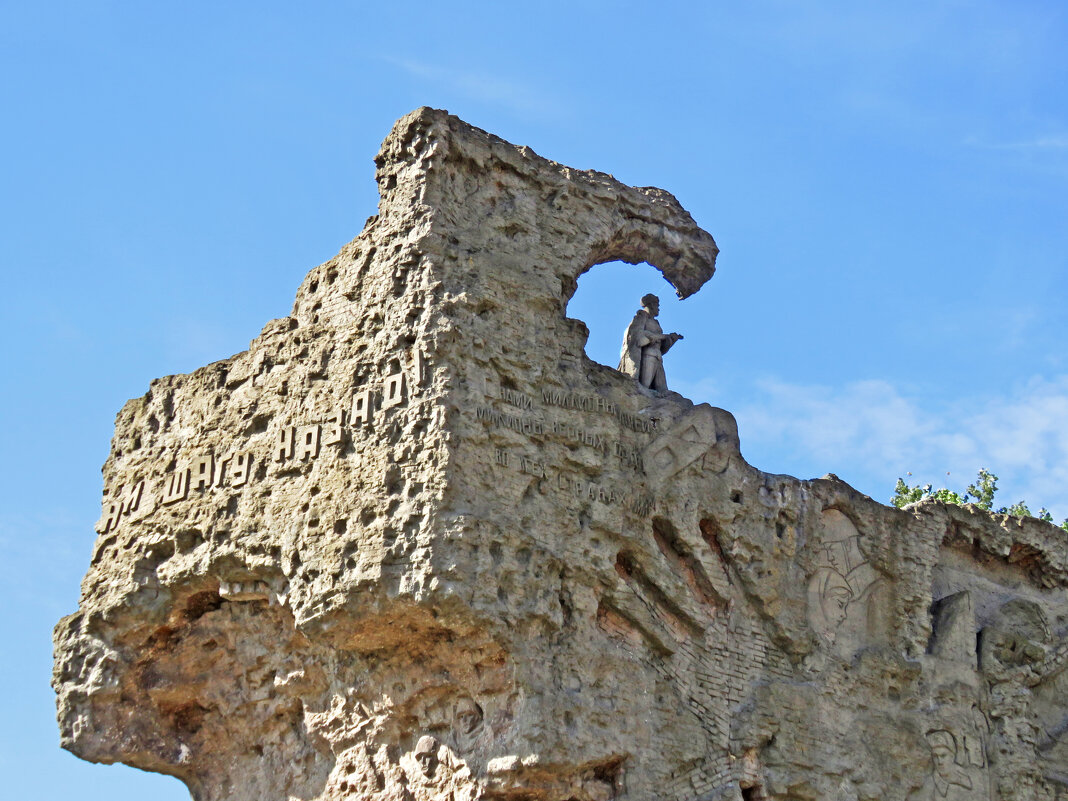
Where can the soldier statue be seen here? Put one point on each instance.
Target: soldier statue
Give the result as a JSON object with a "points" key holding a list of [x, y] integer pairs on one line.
{"points": [[644, 346]]}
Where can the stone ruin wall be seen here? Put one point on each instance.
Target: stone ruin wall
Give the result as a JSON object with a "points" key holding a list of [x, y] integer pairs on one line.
{"points": [[414, 544]]}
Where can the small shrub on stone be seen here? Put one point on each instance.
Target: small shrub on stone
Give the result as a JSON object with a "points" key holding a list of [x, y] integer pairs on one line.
{"points": [[981, 493]]}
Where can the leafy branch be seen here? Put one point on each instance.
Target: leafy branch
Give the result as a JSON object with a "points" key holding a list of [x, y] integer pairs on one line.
{"points": [[981, 493]]}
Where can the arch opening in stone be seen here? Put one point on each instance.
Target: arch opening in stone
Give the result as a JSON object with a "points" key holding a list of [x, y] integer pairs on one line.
{"points": [[606, 299]]}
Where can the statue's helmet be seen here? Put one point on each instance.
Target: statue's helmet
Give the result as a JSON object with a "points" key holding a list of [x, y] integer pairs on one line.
{"points": [[426, 745], [941, 740]]}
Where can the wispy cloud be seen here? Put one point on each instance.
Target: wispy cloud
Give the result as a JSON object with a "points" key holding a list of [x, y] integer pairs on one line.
{"points": [[871, 432], [487, 87]]}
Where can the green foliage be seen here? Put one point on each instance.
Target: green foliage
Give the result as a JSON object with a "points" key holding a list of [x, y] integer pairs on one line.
{"points": [[949, 496], [904, 494], [982, 491], [986, 484], [1018, 509]]}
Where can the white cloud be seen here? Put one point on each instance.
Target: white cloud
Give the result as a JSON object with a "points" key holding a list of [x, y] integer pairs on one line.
{"points": [[871, 432]]}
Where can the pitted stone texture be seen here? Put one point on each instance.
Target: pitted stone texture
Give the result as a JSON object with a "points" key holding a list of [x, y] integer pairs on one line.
{"points": [[413, 544]]}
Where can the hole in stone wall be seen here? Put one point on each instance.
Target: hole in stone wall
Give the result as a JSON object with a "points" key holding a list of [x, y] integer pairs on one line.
{"points": [[607, 297]]}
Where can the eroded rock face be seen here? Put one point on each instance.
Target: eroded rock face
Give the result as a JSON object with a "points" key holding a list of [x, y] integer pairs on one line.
{"points": [[413, 544]]}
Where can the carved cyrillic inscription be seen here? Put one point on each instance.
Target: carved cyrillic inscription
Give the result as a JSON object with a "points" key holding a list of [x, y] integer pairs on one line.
{"points": [[638, 503], [630, 456], [393, 390], [112, 515], [569, 400], [418, 369], [532, 467], [595, 403], [516, 398], [205, 471], [524, 425], [333, 431], [240, 468], [176, 486], [201, 472], [361, 409], [132, 502], [308, 442], [283, 448], [119, 505], [586, 489]]}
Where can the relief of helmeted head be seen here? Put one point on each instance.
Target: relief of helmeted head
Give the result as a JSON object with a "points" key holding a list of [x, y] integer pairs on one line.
{"points": [[830, 595], [426, 754], [467, 716]]}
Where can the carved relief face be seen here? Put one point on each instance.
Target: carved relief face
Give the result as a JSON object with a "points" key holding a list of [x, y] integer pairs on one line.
{"points": [[942, 758], [829, 597], [834, 556], [428, 763], [468, 716], [426, 754], [943, 751], [835, 602]]}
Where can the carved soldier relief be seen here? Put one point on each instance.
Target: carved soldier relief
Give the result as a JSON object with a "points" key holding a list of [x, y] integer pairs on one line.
{"points": [[842, 587]]}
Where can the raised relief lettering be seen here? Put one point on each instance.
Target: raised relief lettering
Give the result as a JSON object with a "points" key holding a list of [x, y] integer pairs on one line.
{"points": [[361, 409], [531, 467], [418, 369], [333, 431], [112, 515], [176, 486], [629, 456], [585, 490], [201, 472], [283, 449], [516, 398], [132, 502], [502, 457], [308, 441], [120, 504], [393, 391], [521, 425], [222, 469], [240, 468], [642, 505]]}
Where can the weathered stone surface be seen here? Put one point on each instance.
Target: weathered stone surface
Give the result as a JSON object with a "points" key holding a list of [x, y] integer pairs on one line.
{"points": [[413, 544]]}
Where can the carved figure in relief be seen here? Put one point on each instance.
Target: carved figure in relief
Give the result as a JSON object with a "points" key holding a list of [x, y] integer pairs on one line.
{"points": [[440, 777], [829, 596], [426, 755], [949, 780], [841, 589], [644, 346], [1017, 635], [467, 724]]}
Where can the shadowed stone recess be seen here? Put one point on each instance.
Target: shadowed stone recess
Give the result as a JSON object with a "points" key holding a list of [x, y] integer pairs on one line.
{"points": [[413, 544]]}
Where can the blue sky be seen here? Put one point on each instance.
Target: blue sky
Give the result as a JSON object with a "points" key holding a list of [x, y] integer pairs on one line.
{"points": [[888, 184]]}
